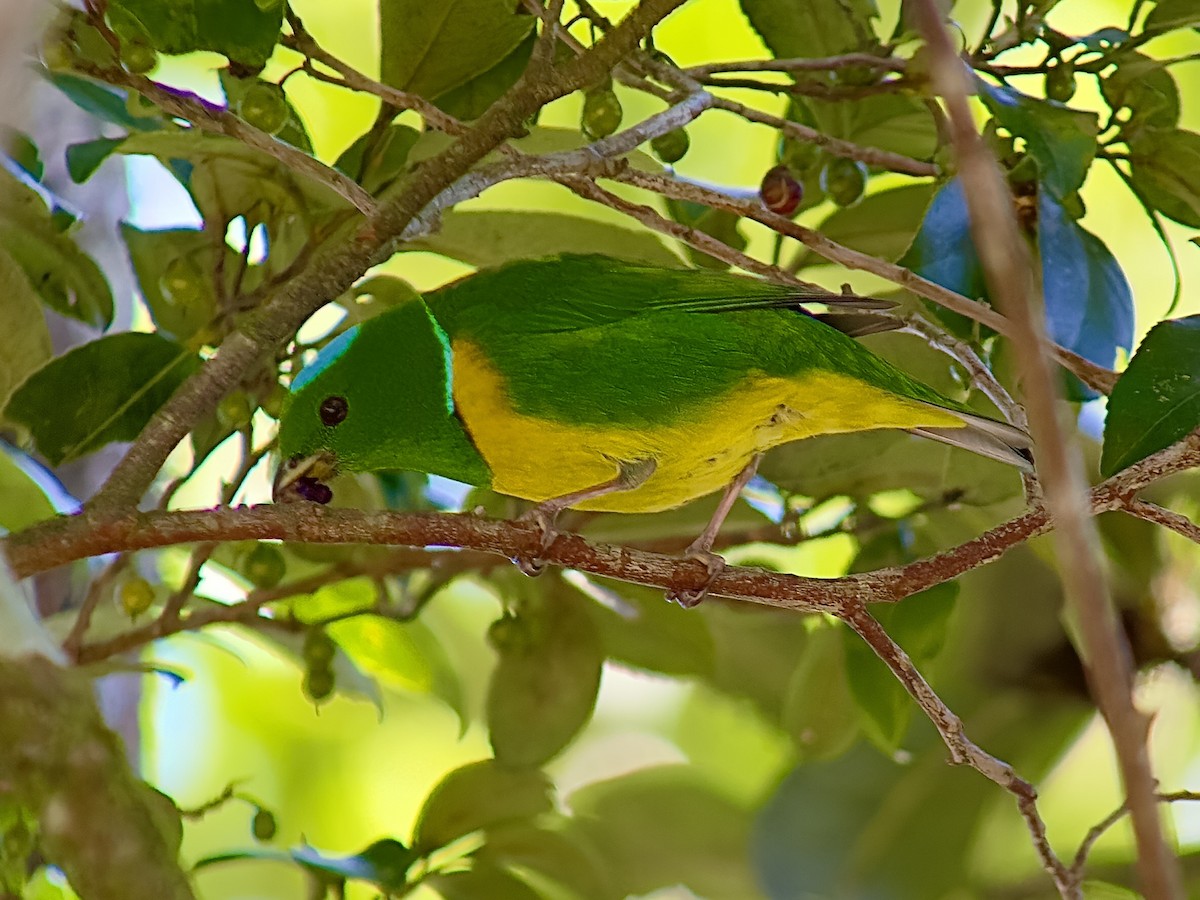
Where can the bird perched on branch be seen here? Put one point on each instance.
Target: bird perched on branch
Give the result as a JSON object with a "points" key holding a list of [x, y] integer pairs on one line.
{"points": [[590, 383]]}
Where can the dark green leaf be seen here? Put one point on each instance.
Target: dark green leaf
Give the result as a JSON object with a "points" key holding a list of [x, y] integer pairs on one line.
{"points": [[819, 712], [1147, 88], [1165, 171], [477, 796], [918, 624], [557, 855], [102, 102], [716, 222], [471, 99], [1089, 305], [101, 392], [483, 881], [24, 338], [244, 32], [385, 161], [1157, 399], [883, 224], [383, 863], [1061, 140], [651, 634], [65, 277], [84, 159], [812, 27], [432, 48], [544, 686], [895, 122], [1168, 15], [663, 826], [486, 238], [154, 254], [22, 151]]}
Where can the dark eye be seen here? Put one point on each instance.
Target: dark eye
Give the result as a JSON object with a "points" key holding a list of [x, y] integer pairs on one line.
{"points": [[333, 410]]}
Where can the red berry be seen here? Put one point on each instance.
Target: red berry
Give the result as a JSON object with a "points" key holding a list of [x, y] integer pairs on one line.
{"points": [[780, 191]]}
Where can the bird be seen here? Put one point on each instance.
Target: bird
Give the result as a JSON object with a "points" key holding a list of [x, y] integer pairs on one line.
{"points": [[587, 382]]}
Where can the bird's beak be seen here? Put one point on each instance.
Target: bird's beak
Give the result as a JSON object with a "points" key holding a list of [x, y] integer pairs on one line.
{"points": [[298, 477]]}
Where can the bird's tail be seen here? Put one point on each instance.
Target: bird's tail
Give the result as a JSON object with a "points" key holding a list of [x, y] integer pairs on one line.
{"points": [[987, 437]]}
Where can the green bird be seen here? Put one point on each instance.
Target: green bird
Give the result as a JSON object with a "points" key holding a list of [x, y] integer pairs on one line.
{"points": [[591, 383]]}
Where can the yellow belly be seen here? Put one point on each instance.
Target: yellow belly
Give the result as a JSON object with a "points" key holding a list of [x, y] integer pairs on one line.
{"points": [[537, 459]]}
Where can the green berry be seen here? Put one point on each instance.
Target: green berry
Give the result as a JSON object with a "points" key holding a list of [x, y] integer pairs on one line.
{"points": [[264, 105], [508, 634], [263, 826], [318, 683], [601, 113], [234, 412], [799, 156], [183, 281], [1060, 82], [318, 649], [844, 180], [137, 595], [137, 57], [672, 146], [264, 566]]}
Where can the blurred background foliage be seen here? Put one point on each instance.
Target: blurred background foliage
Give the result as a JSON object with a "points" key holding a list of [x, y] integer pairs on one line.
{"points": [[639, 749]]}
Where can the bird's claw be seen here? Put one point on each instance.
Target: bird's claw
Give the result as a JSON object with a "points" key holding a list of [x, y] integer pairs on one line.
{"points": [[690, 597], [544, 520]]}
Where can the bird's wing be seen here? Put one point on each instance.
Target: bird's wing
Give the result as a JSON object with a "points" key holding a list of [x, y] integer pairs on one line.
{"points": [[572, 292]]}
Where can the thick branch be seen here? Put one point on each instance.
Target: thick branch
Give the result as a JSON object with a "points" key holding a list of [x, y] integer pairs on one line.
{"points": [[1010, 272]]}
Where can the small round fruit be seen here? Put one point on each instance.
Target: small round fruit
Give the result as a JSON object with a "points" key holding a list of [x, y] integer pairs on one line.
{"points": [[234, 412], [137, 57], [672, 146], [799, 156], [137, 596], [182, 282], [319, 649], [263, 825], [264, 106], [318, 683], [1060, 82], [780, 192], [264, 566], [507, 634], [844, 180], [602, 113]]}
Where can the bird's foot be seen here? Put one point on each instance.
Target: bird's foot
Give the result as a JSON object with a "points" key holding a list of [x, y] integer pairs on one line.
{"points": [[544, 519], [689, 597]]}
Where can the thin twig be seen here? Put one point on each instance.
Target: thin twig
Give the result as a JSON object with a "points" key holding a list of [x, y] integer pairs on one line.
{"points": [[1010, 277], [1096, 831], [1152, 512], [804, 64]]}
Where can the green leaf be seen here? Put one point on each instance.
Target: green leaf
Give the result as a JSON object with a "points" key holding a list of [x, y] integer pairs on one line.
{"points": [[480, 796], [895, 122], [102, 101], [431, 48], [1157, 399], [244, 32], [806, 28], [883, 224], [405, 654], [154, 253], [718, 223], [66, 278], [21, 149], [386, 160], [1089, 304], [1061, 140], [650, 634], [483, 881], [22, 501], [1168, 15], [101, 392], [24, 338], [544, 686], [485, 238], [919, 624], [662, 826], [819, 712], [84, 159], [1147, 88], [471, 99], [1165, 171], [554, 854], [383, 863]]}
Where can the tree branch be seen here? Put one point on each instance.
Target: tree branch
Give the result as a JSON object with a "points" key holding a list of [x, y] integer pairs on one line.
{"points": [[1009, 273]]}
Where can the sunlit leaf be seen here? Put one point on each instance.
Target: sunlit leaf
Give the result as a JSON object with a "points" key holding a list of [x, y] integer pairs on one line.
{"points": [[1170, 14], [471, 99], [794, 28], [483, 881], [1165, 171], [556, 854], [1157, 399], [100, 392], [22, 501], [24, 338], [1147, 88], [244, 32]]}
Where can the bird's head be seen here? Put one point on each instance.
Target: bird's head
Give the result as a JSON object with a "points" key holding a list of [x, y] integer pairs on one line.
{"points": [[379, 396]]}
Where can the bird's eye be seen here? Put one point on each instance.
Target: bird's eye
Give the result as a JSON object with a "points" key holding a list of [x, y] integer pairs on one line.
{"points": [[333, 410]]}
